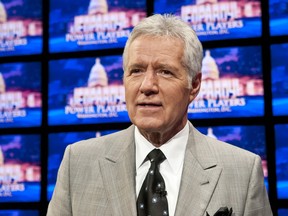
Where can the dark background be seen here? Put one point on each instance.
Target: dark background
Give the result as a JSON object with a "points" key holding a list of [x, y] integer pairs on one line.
{"points": [[268, 120]]}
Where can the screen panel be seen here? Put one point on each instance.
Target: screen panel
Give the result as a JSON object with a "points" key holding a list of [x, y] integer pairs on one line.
{"points": [[279, 77], [281, 138], [232, 84], [20, 168], [251, 138], [92, 24], [20, 27], [216, 19], [20, 94], [94, 92], [19, 213], [57, 144], [282, 212], [278, 10]]}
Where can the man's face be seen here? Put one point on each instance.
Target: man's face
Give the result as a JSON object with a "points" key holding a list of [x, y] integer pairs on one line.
{"points": [[156, 85]]}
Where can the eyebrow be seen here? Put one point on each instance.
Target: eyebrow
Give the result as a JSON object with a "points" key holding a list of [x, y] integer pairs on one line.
{"points": [[136, 65], [158, 65], [169, 67]]}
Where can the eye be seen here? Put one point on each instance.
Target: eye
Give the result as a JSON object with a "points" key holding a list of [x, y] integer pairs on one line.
{"points": [[135, 71], [165, 73]]}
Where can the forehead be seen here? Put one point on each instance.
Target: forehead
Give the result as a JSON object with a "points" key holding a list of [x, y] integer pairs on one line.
{"points": [[156, 48]]}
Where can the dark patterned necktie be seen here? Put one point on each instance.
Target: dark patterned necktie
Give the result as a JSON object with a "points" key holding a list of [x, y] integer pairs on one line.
{"points": [[152, 196]]}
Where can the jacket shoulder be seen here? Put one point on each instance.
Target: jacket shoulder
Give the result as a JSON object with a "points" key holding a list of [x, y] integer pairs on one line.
{"points": [[102, 145], [223, 152]]}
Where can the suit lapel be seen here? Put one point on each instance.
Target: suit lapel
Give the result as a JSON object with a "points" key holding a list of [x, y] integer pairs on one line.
{"points": [[199, 178], [118, 171]]}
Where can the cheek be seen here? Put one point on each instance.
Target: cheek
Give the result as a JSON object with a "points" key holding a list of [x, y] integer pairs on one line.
{"points": [[131, 87], [129, 93], [130, 97], [177, 93]]}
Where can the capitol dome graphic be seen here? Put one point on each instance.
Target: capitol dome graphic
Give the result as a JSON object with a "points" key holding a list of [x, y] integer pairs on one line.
{"points": [[3, 14], [2, 84], [198, 2], [209, 67], [98, 7], [98, 76]]}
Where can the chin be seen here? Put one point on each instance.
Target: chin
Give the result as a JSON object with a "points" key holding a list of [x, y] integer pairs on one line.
{"points": [[148, 122], [149, 127]]}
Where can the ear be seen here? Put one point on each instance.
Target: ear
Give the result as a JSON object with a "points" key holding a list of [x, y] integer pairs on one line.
{"points": [[196, 84]]}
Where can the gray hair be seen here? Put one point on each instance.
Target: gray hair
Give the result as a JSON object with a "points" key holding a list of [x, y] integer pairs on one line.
{"points": [[171, 26]]}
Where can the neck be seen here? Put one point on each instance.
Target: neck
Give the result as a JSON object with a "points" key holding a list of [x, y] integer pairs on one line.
{"points": [[158, 138]]}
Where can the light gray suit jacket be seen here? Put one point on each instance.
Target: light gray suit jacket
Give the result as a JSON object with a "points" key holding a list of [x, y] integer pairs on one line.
{"points": [[97, 178]]}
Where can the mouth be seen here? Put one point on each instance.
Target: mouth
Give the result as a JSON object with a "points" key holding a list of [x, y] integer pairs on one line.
{"points": [[149, 104]]}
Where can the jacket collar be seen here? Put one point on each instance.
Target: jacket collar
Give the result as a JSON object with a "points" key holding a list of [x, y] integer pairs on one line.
{"points": [[199, 178], [118, 172]]}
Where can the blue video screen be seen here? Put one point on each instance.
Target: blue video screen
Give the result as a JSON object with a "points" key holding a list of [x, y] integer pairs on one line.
{"points": [[19, 213], [20, 168], [251, 138], [232, 84], [91, 24], [281, 137], [282, 212], [57, 144], [278, 10], [279, 77], [94, 92], [20, 95], [20, 27], [217, 19]]}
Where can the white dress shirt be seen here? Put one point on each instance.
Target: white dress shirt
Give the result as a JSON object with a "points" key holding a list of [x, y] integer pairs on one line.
{"points": [[170, 169]]}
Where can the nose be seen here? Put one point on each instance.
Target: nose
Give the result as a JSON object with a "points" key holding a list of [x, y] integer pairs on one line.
{"points": [[149, 83]]}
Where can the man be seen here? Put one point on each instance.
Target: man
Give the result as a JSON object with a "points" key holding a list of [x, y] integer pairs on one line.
{"points": [[104, 176]]}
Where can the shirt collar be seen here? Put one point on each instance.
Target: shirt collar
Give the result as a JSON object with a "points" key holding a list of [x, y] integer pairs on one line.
{"points": [[174, 149]]}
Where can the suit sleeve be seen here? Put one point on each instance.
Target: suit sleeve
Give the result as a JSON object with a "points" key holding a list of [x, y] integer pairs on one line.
{"points": [[60, 204], [257, 202]]}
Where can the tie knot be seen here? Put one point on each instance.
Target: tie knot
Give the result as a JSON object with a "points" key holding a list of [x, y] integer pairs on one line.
{"points": [[157, 156]]}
